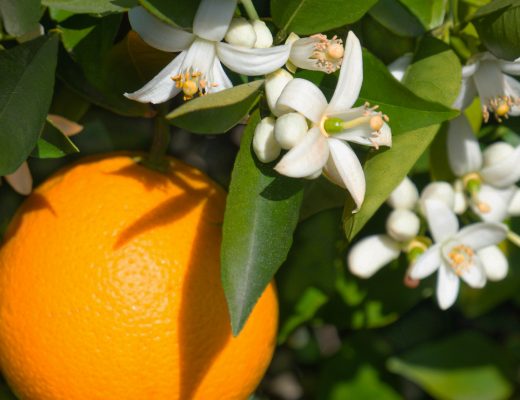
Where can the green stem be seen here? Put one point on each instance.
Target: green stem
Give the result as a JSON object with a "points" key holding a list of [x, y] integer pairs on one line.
{"points": [[161, 138], [454, 13], [250, 9], [513, 238]]}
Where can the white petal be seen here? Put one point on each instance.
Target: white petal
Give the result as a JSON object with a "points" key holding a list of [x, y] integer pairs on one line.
{"points": [[157, 33], [265, 145], [470, 69], [213, 18], [467, 93], [398, 67], [460, 204], [218, 77], [264, 37], [200, 57], [494, 262], [489, 81], [365, 135], [241, 33], [303, 96], [427, 263], [447, 287], [495, 153], [474, 274], [274, 84], [350, 77], [371, 253], [290, 129], [344, 169], [252, 61], [442, 221], [405, 195], [505, 173], [491, 204], [514, 205], [301, 53], [464, 152], [440, 191], [306, 158], [482, 234], [161, 88], [510, 67], [403, 225], [21, 180], [512, 89]]}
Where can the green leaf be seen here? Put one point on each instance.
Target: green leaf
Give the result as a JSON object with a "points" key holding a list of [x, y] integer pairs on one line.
{"points": [[53, 143], [429, 12], [217, 112], [261, 214], [177, 13], [313, 16], [396, 18], [439, 165], [98, 7], [500, 31], [463, 366], [494, 6], [26, 86], [19, 16], [435, 73], [384, 170]]}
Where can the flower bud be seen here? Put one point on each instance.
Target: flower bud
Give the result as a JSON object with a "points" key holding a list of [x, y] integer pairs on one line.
{"points": [[275, 82], [460, 203], [514, 204], [241, 33], [496, 153], [265, 145], [405, 195], [494, 262], [441, 191], [264, 37], [402, 225], [289, 129]]}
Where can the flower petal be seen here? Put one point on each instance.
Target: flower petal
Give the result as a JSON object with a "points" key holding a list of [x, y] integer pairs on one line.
{"points": [[464, 153], [309, 156], [460, 204], [303, 96], [427, 263], [474, 274], [514, 205], [161, 88], [213, 18], [482, 234], [398, 67], [158, 34], [344, 169], [467, 94], [505, 173], [252, 61], [489, 81], [372, 253], [21, 179], [405, 195], [512, 89], [447, 287], [491, 204], [275, 83], [218, 77], [470, 69], [442, 221], [494, 262], [365, 135], [510, 67], [350, 77]]}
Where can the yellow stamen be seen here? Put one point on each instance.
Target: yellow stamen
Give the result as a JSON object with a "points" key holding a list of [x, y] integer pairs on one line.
{"points": [[461, 258]]}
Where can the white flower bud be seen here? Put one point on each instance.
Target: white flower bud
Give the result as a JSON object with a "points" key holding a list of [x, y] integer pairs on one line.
{"points": [[265, 145], [494, 262], [405, 195], [496, 153], [289, 129], [264, 37], [402, 225], [514, 204], [441, 191], [241, 33], [275, 82], [460, 204]]}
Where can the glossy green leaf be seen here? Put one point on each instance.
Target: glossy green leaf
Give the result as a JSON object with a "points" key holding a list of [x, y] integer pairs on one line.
{"points": [[261, 214], [19, 16], [396, 18], [464, 366], [439, 165], [26, 86], [53, 143], [494, 6], [306, 17], [217, 112], [429, 12], [177, 13], [435, 73], [98, 7], [500, 31]]}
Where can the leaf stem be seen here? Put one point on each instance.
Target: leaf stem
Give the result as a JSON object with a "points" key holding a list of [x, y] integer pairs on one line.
{"points": [[513, 238], [250, 9], [161, 138]]}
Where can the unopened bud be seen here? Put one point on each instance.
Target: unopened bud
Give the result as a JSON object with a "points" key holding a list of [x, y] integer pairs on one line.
{"points": [[405, 195], [265, 145], [241, 33], [264, 37], [441, 191], [496, 153], [289, 129], [402, 225], [275, 82]]}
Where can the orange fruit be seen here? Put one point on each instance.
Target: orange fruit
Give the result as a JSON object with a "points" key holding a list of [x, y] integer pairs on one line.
{"points": [[110, 290]]}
